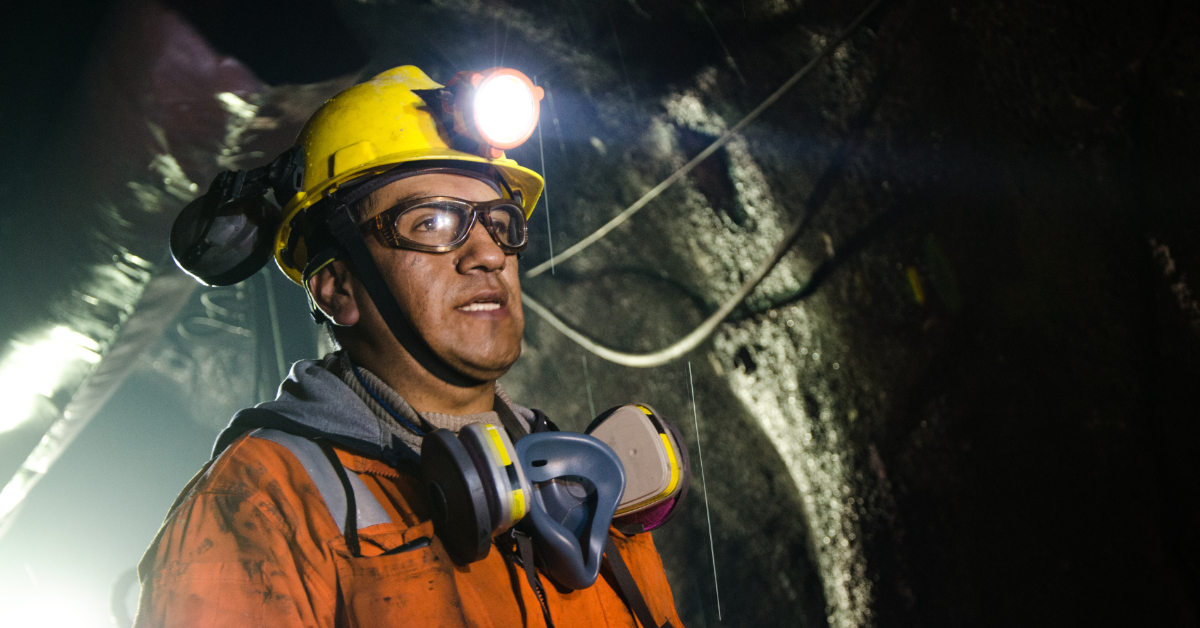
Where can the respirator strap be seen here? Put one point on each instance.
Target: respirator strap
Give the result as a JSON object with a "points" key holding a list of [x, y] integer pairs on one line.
{"points": [[525, 548], [351, 523], [345, 231], [511, 423], [628, 586]]}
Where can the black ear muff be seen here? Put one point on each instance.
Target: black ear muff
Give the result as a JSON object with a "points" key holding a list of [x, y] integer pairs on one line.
{"points": [[222, 244], [459, 504], [228, 234]]}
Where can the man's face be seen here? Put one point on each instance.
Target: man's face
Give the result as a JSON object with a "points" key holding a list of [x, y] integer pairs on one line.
{"points": [[466, 303]]}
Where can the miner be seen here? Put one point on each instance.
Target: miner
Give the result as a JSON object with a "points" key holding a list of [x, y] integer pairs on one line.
{"points": [[382, 487]]}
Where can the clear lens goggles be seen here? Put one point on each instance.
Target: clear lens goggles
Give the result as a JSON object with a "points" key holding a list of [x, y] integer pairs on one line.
{"points": [[441, 223]]}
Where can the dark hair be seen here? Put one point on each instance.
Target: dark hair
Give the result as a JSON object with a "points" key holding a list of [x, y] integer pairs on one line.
{"points": [[360, 209]]}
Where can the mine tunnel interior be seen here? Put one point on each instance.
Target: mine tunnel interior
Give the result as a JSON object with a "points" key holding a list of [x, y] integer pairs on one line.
{"points": [[962, 394]]}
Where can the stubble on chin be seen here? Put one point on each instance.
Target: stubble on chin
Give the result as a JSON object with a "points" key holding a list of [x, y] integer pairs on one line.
{"points": [[492, 355]]}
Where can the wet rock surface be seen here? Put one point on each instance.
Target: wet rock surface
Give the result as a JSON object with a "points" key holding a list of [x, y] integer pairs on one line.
{"points": [[973, 416]]}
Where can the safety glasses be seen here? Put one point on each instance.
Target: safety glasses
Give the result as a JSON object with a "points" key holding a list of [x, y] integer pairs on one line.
{"points": [[441, 223]]}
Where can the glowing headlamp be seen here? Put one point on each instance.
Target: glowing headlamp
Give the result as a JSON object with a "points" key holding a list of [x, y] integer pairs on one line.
{"points": [[498, 108]]}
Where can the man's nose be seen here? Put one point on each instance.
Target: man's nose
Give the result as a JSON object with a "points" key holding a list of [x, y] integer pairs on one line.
{"points": [[481, 251]]}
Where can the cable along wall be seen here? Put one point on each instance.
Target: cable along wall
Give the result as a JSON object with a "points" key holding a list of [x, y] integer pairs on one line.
{"points": [[786, 347], [773, 362]]}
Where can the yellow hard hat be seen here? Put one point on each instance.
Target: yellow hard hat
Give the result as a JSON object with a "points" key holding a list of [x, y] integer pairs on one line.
{"points": [[370, 129]]}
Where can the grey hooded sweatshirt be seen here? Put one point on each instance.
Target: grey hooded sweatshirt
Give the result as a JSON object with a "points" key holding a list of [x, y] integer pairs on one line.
{"points": [[333, 399]]}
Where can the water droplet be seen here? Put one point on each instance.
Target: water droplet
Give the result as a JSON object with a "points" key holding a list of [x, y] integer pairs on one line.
{"points": [[599, 146]]}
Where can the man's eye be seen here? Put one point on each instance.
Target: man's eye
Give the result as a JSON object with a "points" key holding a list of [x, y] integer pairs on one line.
{"points": [[432, 222]]}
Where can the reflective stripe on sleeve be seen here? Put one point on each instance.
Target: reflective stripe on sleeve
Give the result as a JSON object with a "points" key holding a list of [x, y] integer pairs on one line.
{"points": [[323, 475]]}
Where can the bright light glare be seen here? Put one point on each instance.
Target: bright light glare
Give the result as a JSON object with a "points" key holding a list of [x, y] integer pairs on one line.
{"points": [[505, 110], [35, 368], [51, 615], [35, 610], [13, 493]]}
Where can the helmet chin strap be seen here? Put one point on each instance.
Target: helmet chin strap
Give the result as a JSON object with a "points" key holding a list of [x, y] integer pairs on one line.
{"points": [[346, 232]]}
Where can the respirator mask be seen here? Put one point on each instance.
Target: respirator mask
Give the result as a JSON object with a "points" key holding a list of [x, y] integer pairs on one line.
{"points": [[562, 489]]}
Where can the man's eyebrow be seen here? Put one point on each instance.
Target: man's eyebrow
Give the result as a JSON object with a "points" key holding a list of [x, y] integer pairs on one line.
{"points": [[412, 196], [407, 198], [367, 205]]}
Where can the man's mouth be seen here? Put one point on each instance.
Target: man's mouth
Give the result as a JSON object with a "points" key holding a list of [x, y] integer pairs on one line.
{"points": [[480, 306], [487, 303]]}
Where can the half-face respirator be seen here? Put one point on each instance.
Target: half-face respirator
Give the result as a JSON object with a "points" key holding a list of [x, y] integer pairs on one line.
{"points": [[563, 489]]}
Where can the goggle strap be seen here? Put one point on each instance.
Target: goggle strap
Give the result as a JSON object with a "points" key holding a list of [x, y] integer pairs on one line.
{"points": [[346, 232], [511, 195]]}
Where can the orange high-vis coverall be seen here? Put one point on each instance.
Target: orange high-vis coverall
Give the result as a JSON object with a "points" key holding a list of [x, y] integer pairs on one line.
{"points": [[252, 542]]}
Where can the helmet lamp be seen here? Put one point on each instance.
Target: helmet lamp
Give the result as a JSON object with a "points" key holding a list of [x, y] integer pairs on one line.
{"points": [[498, 108]]}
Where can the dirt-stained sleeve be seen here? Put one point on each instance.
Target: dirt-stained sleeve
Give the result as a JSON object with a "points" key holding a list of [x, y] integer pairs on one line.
{"points": [[245, 547]]}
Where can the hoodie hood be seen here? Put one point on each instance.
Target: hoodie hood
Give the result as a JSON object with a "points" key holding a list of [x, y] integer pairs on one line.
{"points": [[315, 403]]}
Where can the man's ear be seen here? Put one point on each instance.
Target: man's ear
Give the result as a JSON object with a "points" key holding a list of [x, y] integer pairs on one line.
{"points": [[332, 292]]}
